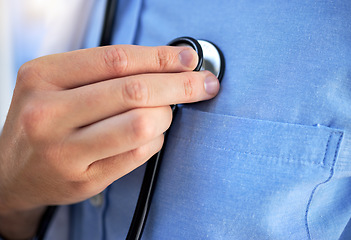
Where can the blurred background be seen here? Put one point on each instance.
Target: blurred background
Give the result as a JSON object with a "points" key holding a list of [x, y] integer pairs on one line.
{"points": [[33, 28]]}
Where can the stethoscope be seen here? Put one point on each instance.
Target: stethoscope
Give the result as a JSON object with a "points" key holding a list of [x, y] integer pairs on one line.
{"points": [[211, 59]]}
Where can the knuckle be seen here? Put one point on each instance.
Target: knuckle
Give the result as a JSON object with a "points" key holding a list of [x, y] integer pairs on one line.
{"points": [[81, 181], [34, 120], [28, 73], [135, 91], [24, 71], [189, 82], [142, 128], [82, 186], [115, 59], [139, 154], [163, 58]]}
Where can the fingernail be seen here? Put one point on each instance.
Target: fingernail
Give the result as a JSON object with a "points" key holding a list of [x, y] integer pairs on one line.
{"points": [[211, 85], [186, 57]]}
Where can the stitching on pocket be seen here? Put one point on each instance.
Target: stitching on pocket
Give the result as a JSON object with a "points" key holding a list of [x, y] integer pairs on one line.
{"points": [[324, 182], [326, 149], [255, 154]]}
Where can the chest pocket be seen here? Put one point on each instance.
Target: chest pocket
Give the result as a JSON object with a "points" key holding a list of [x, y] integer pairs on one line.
{"points": [[224, 177]]}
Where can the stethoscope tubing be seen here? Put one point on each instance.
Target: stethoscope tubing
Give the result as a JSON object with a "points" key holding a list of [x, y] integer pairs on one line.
{"points": [[146, 191], [109, 21]]}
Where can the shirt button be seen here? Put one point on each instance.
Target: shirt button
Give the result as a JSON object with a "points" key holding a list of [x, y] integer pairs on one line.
{"points": [[97, 200]]}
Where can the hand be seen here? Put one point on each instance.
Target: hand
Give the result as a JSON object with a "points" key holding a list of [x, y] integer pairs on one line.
{"points": [[80, 120]]}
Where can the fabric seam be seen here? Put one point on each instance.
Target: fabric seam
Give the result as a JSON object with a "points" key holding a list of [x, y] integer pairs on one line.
{"points": [[324, 182], [326, 149], [288, 159]]}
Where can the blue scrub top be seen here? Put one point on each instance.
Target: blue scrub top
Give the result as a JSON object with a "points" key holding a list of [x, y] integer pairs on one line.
{"points": [[270, 156]]}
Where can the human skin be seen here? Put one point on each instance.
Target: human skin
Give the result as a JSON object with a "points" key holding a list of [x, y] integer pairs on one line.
{"points": [[80, 120]]}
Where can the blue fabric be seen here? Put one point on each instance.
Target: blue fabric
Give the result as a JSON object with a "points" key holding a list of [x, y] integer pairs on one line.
{"points": [[270, 156], [250, 179]]}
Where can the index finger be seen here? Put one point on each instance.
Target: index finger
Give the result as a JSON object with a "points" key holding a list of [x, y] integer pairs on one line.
{"points": [[86, 66]]}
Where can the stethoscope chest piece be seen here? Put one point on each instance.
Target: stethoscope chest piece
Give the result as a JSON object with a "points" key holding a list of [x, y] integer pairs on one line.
{"points": [[210, 56]]}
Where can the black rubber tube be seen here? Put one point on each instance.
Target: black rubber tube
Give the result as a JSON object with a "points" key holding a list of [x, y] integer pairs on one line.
{"points": [[109, 21]]}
